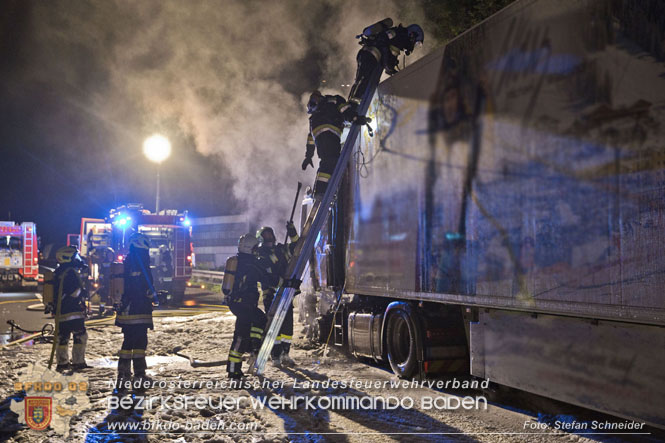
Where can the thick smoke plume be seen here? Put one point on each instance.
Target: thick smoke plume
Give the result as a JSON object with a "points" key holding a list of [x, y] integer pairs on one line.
{"points": [[230, 77]]}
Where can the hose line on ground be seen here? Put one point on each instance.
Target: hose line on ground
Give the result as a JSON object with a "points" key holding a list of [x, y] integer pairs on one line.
{"points": [[47, 329]]}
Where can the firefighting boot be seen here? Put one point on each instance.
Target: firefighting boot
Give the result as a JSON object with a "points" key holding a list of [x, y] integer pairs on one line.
{"points": [[251, 359], [285, 359], [320, 185], [141, 381], [62, 354], [124, 379], [276, 355], [233, 365], [256, 335], [236, 375], [255, 345], [78, 351]]}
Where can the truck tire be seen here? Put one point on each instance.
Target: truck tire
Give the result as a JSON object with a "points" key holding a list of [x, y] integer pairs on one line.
{"points": [[177, 292], [402, 335], [177, 298]]}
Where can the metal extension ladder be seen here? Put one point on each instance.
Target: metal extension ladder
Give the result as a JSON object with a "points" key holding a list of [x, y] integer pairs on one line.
{"points": [[30, 266], [310, 231]]}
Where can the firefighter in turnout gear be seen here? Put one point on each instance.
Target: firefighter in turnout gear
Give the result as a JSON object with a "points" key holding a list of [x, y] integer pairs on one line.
{"points": [[382, 45], [243, 300], [275, 258], [326, 123], [70, 309], [134, 313]]}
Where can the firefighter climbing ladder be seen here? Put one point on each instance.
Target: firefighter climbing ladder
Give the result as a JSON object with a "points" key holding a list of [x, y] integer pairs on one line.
{"points": [[310, 231]]}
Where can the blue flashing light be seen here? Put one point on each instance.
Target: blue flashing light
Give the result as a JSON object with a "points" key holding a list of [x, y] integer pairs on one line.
{"points": [[187, 222], [122, 220]]}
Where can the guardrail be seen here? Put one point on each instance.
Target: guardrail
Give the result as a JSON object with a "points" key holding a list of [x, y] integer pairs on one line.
{"points": [[209, 276]]}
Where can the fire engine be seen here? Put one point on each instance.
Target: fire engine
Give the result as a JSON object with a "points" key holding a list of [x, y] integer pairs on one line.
{"points": [[169, 232], [19, 254]]}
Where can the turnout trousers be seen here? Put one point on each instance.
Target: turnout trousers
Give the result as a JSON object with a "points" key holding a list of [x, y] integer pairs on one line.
{"points": [[250, 321], [328, 148], [285, 336], [133, 348], [75, 328], [368, 59]]}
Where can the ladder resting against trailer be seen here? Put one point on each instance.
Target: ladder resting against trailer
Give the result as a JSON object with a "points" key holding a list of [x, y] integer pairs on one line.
{"points": [[313, 225]]}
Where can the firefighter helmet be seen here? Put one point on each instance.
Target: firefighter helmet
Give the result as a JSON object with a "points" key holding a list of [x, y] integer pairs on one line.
{"points": [[66, 254], [102, 254], [313, 101], [139, 241], [247, 243], [265, 235], [416, 33]]}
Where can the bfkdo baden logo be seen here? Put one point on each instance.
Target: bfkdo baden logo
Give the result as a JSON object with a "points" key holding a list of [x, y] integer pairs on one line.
{"points": [[46, 399], [38, 412]]}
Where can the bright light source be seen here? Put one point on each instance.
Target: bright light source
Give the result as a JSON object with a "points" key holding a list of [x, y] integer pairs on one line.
{"points": [[120, 257], [186, 222], [157, 148]]}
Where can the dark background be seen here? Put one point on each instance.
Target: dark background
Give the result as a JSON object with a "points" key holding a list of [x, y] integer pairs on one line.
{"points": [[66, 153]]}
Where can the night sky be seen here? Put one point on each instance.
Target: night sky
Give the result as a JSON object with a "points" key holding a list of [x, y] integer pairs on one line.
{"points": [[84, 83]]}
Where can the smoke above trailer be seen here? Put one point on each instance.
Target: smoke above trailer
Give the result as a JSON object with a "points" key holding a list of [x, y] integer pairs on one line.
{"points": [[227, 78]]}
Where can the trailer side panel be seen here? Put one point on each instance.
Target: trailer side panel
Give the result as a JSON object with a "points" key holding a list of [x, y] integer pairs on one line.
{"points": [[522, 167]]}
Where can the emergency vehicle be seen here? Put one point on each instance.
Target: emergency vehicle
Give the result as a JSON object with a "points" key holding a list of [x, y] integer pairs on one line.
{"points": [[19, 254], [169, 231]]}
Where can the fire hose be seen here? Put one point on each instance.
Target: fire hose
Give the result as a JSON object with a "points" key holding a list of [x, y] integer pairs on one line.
{"points": [[109, 321], [46, 330]]}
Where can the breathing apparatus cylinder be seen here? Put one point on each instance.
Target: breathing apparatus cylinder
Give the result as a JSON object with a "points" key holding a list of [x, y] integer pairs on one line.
{"points": [[116, 286], [377, 27], [47, 291], [229, 274]]}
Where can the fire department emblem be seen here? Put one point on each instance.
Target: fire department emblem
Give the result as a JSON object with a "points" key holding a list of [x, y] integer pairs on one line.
{"points": [[38, 412]]}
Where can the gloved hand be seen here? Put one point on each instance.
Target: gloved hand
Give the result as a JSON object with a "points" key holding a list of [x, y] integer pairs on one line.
{"points": [[307, 161], [155, 299], [291, 229], [391, 68], [361, 120]]}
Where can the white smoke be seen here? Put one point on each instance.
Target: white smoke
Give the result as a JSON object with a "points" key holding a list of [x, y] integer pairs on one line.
{"points": [[213, 71]]}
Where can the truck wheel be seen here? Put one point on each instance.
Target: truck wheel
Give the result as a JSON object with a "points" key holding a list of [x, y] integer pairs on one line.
{"points": [[177, 292], [177, 297], [402, 342]]}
